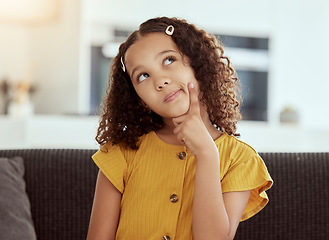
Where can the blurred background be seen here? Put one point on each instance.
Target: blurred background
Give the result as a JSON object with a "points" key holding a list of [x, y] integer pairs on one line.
{"points": [[55, 57]]}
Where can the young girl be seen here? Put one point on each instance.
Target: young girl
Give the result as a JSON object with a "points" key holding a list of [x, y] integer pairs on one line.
{"points": [[170, 164]]}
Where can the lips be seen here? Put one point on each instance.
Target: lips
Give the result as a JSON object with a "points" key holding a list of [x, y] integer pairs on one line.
{"points": [[172, 96]]}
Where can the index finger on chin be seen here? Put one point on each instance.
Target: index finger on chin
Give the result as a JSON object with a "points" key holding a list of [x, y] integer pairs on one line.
{"points": [[194, 99]]}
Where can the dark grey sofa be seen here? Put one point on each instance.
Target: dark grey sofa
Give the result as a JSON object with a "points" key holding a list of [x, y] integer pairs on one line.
{"points": [[60, 186]]}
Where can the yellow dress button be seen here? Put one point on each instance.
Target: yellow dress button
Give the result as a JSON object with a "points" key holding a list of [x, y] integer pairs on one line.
{"points": [[182, 155], [173, 198], [166, 237]]}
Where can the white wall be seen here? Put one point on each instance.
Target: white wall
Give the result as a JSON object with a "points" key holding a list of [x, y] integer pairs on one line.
{"points": [[236, 16], [14, 49], [298, 32], [53, 48], [299, 68], [14, 54]]}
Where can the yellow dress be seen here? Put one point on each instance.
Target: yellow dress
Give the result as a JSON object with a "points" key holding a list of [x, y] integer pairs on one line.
{"points": [[157, 184]]}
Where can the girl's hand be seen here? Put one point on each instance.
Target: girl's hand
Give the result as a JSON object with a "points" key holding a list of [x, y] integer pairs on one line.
{"points": [[191, 129]]}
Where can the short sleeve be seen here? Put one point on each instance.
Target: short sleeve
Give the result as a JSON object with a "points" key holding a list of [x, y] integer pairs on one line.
{"points": [[249, 174], [110, 160]]}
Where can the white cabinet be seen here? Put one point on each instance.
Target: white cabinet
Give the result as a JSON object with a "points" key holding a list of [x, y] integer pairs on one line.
{"points": [[48, 131]]}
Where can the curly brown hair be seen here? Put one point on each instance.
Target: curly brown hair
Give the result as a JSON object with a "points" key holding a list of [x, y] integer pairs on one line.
{"points": [[124, 118]]}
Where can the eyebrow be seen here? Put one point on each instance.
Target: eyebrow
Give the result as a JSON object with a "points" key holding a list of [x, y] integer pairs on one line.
{"points": [[164, 52], [156, 57]]}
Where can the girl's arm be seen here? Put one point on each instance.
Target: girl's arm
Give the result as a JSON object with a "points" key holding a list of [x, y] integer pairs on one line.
{"points": [[105, 212], [235, 203], [215, 215]]}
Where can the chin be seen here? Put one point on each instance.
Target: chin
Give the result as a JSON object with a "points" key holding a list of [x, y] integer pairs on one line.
{"points": [[176, 111], [180, 113]]}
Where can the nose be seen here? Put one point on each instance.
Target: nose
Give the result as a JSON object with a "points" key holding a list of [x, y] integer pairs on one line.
{"points": [[161, 82], [162, 85]]}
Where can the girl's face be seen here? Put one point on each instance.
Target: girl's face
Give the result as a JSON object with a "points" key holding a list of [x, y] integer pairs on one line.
{"points": [[160, 74]]}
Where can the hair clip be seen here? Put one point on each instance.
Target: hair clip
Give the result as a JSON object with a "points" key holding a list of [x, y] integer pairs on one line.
{"points": [[122, 65], [170, 30]]}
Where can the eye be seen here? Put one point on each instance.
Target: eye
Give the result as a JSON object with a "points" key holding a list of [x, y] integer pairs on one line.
{"points": [[142, 77], [169, 60]]}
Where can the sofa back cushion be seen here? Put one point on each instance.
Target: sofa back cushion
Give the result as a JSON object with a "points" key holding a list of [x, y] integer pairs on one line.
{"points": [[298, 206], [60, 185], [15, 213]]}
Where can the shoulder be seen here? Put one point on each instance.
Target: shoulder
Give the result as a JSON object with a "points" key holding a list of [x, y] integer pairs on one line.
{"points": [[110, 150], [234, 146]]}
